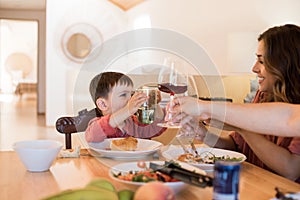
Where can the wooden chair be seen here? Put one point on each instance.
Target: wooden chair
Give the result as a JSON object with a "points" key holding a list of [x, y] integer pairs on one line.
{"points": [[68, 125]]}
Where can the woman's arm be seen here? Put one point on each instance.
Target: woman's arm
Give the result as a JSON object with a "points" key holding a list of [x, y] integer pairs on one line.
{"points": [[211, 136], [268, 118], [277, 158]]}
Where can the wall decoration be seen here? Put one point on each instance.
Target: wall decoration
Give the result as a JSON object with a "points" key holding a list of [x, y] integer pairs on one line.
{"points": [[79, 40], [19, 62]]}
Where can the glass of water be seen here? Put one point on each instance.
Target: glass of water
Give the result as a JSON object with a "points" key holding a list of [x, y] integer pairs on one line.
{"points": [[145, 113]]}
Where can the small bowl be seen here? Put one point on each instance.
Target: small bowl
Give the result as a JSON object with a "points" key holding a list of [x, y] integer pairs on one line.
{"points": [[37, 155]]}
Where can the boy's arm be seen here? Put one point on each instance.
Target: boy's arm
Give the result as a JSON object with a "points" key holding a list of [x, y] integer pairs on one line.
{"points": [[118, 118], [98, 129]]}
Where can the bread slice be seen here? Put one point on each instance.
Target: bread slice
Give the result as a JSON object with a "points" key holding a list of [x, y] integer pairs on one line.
{"points": [[124, 144]]}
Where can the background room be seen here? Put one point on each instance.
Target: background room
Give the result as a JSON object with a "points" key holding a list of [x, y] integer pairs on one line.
{"points": [[63, 37]]}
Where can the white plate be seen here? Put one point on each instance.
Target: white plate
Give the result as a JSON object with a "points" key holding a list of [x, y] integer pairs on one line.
{"points": [[174, 151], [144, 148], [132, 166]]}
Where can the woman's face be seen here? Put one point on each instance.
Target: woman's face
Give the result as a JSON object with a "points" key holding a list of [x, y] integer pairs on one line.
{"points": [[266, 80]]}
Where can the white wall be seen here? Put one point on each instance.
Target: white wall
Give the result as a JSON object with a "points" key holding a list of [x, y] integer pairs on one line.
{"points": [[62, 72], [223, 28], [39, 16]]}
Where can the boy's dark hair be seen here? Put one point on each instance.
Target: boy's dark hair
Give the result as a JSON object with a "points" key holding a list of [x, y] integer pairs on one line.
{"points": [[102, 83]]}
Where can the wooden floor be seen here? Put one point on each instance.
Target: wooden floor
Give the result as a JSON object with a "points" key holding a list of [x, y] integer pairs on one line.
{"points": [[19, 121]]}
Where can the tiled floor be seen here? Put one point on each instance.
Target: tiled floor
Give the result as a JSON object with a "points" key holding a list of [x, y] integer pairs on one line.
{"points": [[19, 121]]}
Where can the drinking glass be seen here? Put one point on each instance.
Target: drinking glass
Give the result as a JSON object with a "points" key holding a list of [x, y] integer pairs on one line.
{"points": [[171, 81], [145, 113]]}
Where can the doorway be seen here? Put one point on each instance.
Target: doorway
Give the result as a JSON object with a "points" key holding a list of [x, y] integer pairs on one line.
{"points": [[18, 57]]}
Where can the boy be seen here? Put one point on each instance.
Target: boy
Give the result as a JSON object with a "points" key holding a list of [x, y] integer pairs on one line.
{"points": [[111, 93]]}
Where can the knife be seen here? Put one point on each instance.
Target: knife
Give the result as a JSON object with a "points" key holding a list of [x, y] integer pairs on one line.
{"points": [[175, 171]]}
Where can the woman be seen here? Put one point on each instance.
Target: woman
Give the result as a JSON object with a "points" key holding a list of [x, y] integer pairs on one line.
{"points": [[278, 71], [277, 68]]}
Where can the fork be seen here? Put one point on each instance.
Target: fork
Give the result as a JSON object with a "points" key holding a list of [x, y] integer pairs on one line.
{"points": [[186, 137], [194, 149], [185, 150]]}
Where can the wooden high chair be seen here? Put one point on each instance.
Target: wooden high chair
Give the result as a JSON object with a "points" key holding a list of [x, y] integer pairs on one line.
{"points": [[68, 125]]}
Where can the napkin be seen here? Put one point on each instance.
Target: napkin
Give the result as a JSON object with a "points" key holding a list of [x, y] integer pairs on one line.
{"points": [[67, 153]]}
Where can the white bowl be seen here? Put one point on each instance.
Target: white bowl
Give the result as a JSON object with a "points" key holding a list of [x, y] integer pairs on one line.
{"points": [[37, 155]]}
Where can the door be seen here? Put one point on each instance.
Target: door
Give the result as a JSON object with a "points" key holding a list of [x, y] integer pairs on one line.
{"points": [[18, 56]]}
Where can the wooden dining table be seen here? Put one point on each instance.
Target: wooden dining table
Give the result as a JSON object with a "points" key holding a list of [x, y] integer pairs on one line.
{"points": [[71, 173]]}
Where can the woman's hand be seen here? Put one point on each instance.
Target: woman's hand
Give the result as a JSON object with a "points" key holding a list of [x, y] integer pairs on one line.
{"points": [[183, 106], [191, 106], [193, 125]]}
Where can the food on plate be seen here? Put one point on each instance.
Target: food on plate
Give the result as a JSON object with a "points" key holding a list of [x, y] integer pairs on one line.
{"points": [[145, 175], [206, 158], [154, 191], [124, 144]]}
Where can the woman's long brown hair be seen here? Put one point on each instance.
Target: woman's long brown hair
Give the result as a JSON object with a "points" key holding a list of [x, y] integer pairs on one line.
{"points": [[282, 60]]}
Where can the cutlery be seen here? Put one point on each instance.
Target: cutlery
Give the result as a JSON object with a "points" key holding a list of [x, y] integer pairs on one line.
{"points": [[185, 150], [195, 150], [282, 196], [175, 171]]}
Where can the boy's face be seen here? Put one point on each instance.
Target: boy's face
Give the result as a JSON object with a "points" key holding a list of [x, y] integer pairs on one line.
{"points": [[118, 97]]}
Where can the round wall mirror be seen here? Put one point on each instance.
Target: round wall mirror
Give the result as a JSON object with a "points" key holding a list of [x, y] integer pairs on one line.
{"points": [[79, 45], [79, 40]]}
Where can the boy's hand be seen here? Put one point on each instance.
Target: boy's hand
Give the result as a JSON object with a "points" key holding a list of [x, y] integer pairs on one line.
{"points": [[136, 101]]}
